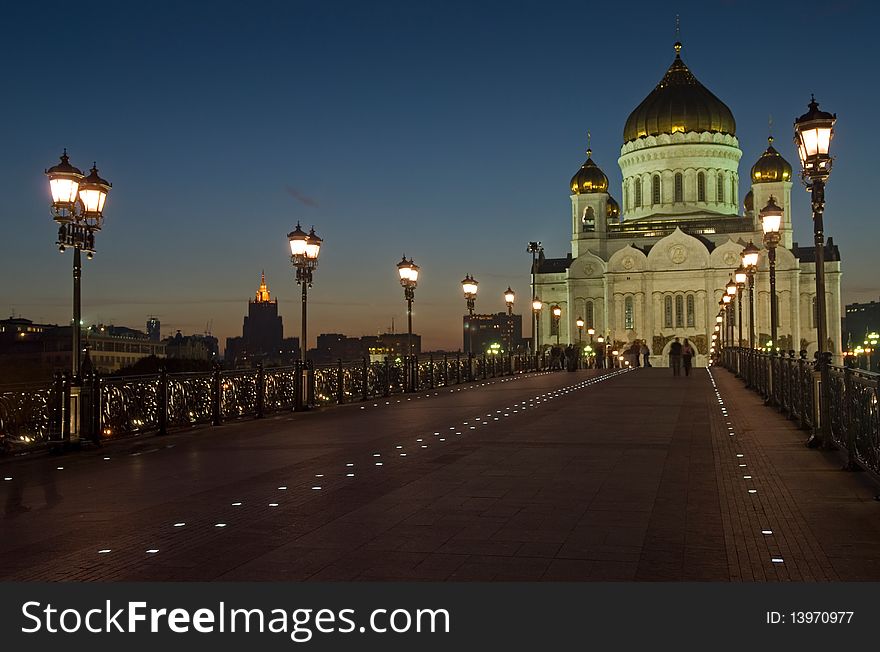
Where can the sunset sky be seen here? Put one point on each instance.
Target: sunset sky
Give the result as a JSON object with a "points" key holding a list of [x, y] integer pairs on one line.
{"points": [[445, 131]]}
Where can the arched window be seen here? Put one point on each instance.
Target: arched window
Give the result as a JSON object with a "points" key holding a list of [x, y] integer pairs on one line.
{"points": [[589, 219], [701, 186], [691, 315], [554, 323], [655, 189], [719, 189], [588, 314], [667, 312], [679, 311], [679, 189], [637, 182], [626, 204], [628, 313]]}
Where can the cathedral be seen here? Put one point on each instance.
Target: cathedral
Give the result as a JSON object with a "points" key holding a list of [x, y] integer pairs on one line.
{"points": [[653, 266]]}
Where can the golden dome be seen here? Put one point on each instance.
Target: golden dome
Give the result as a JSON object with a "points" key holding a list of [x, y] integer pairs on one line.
{"points": [[771, 166], [749, 202], [679, 103], [612, 210], [589, 178]]}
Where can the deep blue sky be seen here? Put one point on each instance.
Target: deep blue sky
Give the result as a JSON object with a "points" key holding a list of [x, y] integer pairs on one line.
{"points": [[447, 131]]}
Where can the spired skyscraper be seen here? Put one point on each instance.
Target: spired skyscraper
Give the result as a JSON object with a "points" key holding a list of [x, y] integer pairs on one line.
{"points": [[262, 331], [655, 268]]}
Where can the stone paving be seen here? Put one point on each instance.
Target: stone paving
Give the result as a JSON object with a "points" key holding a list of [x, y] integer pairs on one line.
{"points": [[581, 476]]}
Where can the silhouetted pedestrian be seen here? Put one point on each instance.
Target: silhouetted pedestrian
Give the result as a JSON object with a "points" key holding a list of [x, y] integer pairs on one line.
{"points": [[687, 356], [675, 357]]}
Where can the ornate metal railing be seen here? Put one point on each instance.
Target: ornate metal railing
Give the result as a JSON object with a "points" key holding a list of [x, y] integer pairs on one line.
{"points": [[29, 414], [794, 385], [107, 408]]}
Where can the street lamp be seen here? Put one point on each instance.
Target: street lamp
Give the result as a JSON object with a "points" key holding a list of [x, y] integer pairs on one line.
{"points": [[535, 249], [871, 342], [740, 277], [469, 287], [537, 306], [750, 262], [600, 359], [731, 292], [557, 313], [409, 279], [813, 133], [509, 296], [78, 208], [579, 322], [304, 251], [771, 221]]}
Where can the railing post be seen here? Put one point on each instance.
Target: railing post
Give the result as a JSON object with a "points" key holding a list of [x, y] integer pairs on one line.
{"points": [[485, 370], [431, 371], [163, 401], [387, 391], [458, 368], [216, 419], [445, 370], [297, 386], [366, 385], [97, 423], [261, 389], [417, 384], [340, 378]]}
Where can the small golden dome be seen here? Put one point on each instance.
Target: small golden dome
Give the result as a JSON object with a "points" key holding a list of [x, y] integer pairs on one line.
{"points": [[589, 178], [612, 210], [679, 103], [771, 166], [749, 202]]}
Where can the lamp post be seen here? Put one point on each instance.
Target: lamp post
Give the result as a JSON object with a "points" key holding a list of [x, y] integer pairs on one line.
{"points": [[740, 277], [813, 133], [469, 287], [304, 251], [408, 272], [535, 249], [600, 359], [537, 306], [731, 292], [871, 342], [78, 208], [726, 299], [580, 326], [509, 297], [750, 262], [591, 331], [771, 221], [557, 313]]}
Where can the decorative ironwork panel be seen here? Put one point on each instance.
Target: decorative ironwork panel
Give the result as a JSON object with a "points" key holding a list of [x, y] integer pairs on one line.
{"points": [[837, 408], [280, 389], [27, 413], [238, 394], [326, 385], [423, 373], [189, 399], [806, 407], [864, 406], [129, 405], [376, 379]]}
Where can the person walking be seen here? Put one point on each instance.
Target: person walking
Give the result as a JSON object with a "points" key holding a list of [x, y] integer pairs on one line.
{"points": [[687, 356], [646, 353], [675, 350]]}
